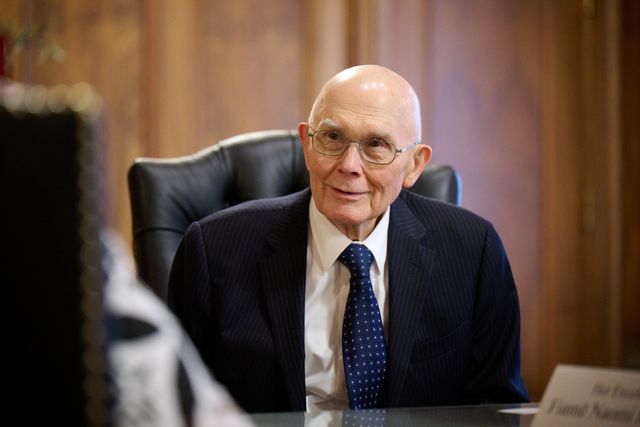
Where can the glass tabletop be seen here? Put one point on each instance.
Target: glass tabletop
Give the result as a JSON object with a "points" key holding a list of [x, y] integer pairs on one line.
{"points": [[520, 415]]}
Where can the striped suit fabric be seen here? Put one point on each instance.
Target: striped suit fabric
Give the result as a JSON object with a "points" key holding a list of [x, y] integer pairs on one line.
{"points": [[238, 284]]}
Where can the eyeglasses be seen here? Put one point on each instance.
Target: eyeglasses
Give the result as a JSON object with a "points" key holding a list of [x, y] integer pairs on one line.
{"points": [[373, 150]]}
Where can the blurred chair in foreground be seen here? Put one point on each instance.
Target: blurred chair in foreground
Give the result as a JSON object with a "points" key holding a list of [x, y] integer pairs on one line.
{"points": [[90, 345]]}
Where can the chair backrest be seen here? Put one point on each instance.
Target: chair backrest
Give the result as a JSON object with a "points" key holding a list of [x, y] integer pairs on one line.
{"points": [[167, 195]]}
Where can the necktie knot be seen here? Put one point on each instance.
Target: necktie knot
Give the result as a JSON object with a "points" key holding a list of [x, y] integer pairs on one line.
{"points": [[358, 259]]}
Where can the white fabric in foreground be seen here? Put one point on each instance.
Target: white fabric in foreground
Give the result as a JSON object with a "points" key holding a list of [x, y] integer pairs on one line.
{"points": [[153, 371]]}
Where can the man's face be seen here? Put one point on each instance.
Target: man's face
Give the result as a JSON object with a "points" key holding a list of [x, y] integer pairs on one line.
{"points": [[350, 192]]}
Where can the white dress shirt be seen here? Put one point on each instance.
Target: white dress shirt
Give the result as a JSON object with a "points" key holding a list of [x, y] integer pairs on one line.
{"points": [[327, 288]]}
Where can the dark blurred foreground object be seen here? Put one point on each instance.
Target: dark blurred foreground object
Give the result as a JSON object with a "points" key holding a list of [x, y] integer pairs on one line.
{"points": [[167, 195], [88, 345], [53, 270]]}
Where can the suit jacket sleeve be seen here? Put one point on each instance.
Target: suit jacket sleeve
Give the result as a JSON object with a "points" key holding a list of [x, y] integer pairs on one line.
{"points": [[495, 360], [190, 290]]}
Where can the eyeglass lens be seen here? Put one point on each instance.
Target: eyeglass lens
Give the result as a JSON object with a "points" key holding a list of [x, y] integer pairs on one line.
{"points": [[374, 150]]}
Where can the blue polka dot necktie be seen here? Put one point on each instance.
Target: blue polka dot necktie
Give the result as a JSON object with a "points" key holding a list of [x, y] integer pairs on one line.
{"points": [[363, 347]]}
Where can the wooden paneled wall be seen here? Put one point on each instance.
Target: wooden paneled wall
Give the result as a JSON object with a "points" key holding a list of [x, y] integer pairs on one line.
{"points": [[215, 69], [102, 44], [630, 171], [533, 101], [581, 287]]}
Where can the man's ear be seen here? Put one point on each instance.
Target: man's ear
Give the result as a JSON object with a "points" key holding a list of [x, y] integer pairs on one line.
{"points": [[419, 159], [303, 132]]}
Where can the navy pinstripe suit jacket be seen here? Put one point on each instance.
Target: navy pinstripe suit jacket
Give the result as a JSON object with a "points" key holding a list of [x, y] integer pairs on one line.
{"points": [[238, 284]]}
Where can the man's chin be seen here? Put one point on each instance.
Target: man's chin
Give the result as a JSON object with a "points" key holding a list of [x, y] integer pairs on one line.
{"points": [[348, 220]]}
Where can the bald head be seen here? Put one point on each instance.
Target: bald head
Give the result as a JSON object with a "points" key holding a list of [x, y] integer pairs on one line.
{"points": [[369, 90]]}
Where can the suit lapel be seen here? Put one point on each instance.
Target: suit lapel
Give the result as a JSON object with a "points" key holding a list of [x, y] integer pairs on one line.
{"points": [[283, 277], [410, 262]]}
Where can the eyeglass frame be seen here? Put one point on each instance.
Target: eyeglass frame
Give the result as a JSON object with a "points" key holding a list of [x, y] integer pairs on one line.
{"points": [[351, 141]]}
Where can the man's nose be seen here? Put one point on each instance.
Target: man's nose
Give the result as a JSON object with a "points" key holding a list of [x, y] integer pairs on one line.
{"points": [[351, 161]]}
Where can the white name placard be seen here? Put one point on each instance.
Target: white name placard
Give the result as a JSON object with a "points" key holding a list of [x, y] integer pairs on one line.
{"points": [[585, 396]]}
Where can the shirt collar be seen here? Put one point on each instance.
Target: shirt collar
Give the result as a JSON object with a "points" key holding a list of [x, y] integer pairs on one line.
{"points": [[328, 242]]}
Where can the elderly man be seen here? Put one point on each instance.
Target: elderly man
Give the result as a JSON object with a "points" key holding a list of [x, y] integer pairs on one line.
{"points": [[355, 292]]}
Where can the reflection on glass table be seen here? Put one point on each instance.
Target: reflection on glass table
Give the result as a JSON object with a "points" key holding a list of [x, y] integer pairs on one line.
{"points": [[519, 415]]}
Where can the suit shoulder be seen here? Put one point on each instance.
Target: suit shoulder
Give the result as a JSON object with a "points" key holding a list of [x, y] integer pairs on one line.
{"points": [[440, 214], [264, 208], [445, 226], [254, 219]]}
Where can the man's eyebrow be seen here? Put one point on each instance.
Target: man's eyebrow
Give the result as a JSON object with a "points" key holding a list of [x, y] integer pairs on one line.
{"points": [[329, 123]]}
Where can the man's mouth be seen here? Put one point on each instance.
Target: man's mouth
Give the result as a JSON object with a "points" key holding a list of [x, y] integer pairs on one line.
{"points": [[348, 194]]}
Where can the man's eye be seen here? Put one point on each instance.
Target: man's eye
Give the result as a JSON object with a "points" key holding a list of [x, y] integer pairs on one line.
{"points": [[334, 135], [376, 143]]}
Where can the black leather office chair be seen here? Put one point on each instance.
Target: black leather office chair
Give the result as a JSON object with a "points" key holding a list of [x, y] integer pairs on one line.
{"points": [[169, 194]]}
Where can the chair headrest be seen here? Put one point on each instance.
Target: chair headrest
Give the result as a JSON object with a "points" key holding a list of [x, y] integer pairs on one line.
{"points": [[167, 195]]}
